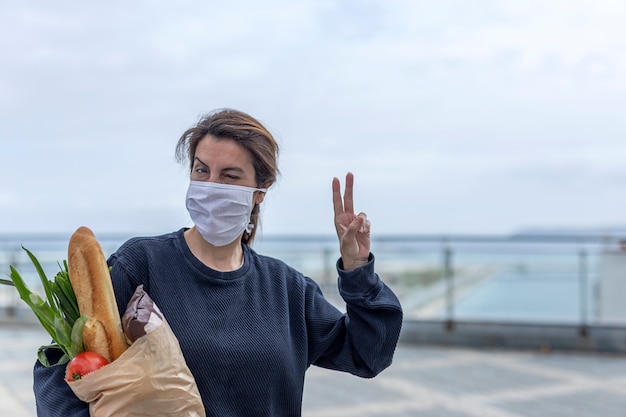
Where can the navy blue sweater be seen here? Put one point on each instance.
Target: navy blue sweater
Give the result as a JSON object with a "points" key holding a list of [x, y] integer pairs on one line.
{"points": [[249, 335]]}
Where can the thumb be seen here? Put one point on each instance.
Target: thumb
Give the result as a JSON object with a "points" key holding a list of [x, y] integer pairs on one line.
{"points": [[353, 228]]}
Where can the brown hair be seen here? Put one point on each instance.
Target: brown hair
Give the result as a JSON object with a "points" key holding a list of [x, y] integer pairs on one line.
{"points": [[247, 132]]}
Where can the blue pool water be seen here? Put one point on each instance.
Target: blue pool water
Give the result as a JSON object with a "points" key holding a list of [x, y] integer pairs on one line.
{"points": [[511, 296]]}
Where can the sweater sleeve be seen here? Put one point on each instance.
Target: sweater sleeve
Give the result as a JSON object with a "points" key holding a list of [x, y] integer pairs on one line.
{"points": [[53, 396], [361, 341]]}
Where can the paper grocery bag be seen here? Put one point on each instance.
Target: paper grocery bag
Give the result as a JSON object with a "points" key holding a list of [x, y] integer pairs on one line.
{"points": [[150, 378]]}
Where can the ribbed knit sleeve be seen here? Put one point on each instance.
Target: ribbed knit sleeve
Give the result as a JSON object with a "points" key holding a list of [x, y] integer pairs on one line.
{"points": [[53, 397], [363, 340]]}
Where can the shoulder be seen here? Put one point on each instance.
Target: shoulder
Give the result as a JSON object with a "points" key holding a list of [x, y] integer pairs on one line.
{"points": [[144, 249], [279, 272], [274, 265], [148, 244], [134, 260]]}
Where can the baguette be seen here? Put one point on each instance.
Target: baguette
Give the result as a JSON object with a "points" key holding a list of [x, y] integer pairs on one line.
{"points": [[91, 281]]}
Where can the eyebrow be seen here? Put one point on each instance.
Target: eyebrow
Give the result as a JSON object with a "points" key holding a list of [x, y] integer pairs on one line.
{"points": [[237, 169], [195, 158]]}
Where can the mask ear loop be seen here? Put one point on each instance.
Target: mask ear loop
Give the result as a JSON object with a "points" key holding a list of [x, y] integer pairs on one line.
{"points": [[250, 226]]}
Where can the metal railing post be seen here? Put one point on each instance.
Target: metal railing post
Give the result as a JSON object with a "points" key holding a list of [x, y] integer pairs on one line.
{"points": [[328, 265], [448, 271], [583, 284]]}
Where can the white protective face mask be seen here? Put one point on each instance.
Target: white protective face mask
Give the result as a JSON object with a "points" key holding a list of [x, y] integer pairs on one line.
{"points": [[221, 212]]}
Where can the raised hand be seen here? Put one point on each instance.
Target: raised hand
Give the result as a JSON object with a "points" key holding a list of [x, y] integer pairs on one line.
{"points": [[353, 230]]}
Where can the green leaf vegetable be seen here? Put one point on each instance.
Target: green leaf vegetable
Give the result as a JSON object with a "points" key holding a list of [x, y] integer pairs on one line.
{"points": [[58, 313]]}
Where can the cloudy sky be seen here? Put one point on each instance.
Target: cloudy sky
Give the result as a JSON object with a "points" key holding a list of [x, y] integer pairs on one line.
{"points": [[455, 116]]}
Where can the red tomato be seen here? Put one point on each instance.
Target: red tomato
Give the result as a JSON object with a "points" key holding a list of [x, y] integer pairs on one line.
{"points": [[84, 363]]}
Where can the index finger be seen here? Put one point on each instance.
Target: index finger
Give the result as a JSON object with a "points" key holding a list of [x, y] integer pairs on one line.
{"points": [[347, 195], [337, 203]]}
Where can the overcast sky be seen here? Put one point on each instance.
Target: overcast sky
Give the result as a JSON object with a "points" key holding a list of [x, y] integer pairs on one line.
{"points": [[455, 116]]}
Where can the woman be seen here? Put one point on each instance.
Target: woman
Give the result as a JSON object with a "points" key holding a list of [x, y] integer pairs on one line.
{"points": [[249, 326]]}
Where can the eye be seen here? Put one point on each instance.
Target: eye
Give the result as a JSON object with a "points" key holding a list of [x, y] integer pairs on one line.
{"points": [[199, 173]]}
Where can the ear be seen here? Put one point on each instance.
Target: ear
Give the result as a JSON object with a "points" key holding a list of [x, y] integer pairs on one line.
{"points": [[259, 196]]}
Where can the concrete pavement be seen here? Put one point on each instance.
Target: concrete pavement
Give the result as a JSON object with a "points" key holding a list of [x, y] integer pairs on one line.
{"points": [[459, 382], [425, 381]]}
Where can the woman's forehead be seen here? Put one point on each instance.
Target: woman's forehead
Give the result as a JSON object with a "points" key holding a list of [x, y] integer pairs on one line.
{"points": [[213, 150]]}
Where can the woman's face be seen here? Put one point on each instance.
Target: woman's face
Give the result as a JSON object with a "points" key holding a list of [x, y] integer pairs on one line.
{"points": [[224, 161]]}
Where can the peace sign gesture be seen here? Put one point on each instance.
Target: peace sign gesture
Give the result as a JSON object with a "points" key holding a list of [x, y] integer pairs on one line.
{"points": [[353, 230]]}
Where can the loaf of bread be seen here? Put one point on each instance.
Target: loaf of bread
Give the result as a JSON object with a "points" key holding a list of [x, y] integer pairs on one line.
{"points": [[91, 281]]}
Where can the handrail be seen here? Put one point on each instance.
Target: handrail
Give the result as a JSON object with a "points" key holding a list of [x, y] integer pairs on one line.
{"points": [[449, 249], [380, 237]]}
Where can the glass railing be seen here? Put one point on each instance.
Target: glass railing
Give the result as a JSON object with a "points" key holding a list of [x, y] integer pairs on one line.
{"points": [[523, 278]]}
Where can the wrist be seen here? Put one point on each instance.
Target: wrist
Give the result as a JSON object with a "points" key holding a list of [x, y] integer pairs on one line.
{"points": [[354, 264]]}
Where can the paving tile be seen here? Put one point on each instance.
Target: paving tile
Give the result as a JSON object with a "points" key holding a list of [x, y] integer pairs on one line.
{"points": [[425, 381], [474, 378], [18, 352], [598, 365], [592, 403]]}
